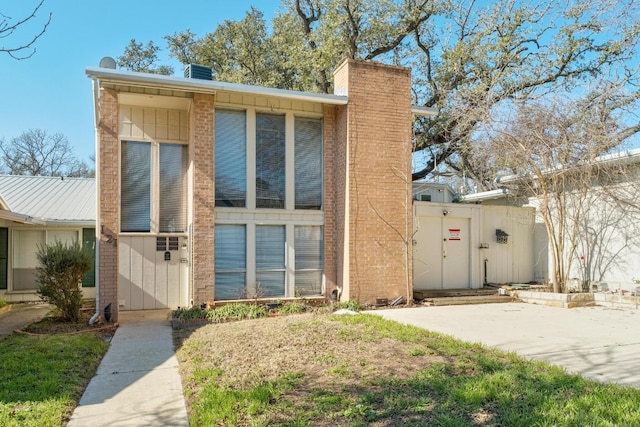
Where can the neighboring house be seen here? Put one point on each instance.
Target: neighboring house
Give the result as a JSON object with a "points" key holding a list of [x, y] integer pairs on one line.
{"points": [[35, 210], [608, 234], [214, 191], [424, 191]]}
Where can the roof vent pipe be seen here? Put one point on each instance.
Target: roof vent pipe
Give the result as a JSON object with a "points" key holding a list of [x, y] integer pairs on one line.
{"points": [[194, 71]]}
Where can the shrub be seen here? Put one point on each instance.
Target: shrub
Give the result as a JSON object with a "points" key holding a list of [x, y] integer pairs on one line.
{"points": [[3, 303], [294, 307], [350, 305], [59, 274], [236, 311]]}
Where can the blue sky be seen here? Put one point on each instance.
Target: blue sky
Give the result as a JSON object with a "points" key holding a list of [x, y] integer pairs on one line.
{"points": [[50, 90]]}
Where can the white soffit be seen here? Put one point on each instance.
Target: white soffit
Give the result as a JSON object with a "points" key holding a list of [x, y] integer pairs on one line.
{"points": [[154, 101]]}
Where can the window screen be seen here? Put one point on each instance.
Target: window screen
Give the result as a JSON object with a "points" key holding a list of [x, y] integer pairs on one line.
{"points": [[270, 161], [230, 262], [309, 245], [135, 195], [308, 163], [173, 188], [270, 255], [231, 158]]}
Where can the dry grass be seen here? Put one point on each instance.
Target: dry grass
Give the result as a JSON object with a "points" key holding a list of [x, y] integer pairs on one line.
{"points": [[320, 370]]}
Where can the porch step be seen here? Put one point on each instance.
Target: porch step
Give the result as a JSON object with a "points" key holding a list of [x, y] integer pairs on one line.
{"points": [[467, 300], [442, 293]]}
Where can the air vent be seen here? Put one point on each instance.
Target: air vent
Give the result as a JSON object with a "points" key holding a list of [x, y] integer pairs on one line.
{"points": [[194, 71]]}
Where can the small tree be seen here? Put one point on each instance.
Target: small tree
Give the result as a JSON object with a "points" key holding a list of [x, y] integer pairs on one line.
{"points": [[554, 153], [61, 270]]}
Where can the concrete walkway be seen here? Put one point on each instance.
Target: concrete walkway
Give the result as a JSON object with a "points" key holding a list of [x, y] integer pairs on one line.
{"points": [[596, 342], [21, 315], [137, 383]]}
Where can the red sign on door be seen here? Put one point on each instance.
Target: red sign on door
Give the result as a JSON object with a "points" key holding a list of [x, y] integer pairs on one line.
{"points": [[454, 234]]}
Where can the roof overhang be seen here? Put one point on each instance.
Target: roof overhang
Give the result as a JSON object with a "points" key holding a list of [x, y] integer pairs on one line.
{"points": [[619, 158], [485, 195], [157, 81], [21, 218]]}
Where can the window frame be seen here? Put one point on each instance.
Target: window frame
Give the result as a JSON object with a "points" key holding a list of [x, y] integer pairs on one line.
{"points": [[155, 171]]}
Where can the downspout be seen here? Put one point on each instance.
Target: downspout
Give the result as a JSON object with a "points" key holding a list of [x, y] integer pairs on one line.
{"points": [[96, 121]]}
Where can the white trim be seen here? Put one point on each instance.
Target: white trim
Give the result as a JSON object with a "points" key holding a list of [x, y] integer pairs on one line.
{"points": [[131, 78]]}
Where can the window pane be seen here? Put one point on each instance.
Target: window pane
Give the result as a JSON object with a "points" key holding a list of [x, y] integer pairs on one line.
{"points": [[309, 247], [89, 243], [173, 188], [25, 260], [270, 255], [308, 163], [230, 261], [270, 161], [231, 158], [136, 186]]}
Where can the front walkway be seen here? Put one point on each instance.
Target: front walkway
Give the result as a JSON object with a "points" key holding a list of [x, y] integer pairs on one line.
{"points": [[20, 315], [597, 342], [137, 383]]}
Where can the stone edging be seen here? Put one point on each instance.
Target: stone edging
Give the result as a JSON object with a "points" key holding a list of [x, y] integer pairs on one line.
{"points": [[577, 299]]}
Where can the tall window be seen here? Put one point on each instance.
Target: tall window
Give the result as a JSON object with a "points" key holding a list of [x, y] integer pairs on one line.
{"points": [[135, 194], [309, 247], [270, 256], [4, 256], [231, 158], [173, 188], [308, 163], [163, 182], [230, 261], [270, 161]]}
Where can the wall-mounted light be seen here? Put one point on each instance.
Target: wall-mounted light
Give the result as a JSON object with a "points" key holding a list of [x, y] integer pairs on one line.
{"points": [[445, 212]]}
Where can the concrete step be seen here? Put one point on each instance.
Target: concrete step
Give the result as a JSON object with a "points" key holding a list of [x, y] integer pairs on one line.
{"points": [[441, 293], [467, 300]]}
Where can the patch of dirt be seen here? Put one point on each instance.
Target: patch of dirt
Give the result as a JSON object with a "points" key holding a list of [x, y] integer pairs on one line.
{"points": [[55, 324]]}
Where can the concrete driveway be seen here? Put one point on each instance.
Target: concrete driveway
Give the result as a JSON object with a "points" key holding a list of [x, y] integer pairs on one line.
{"points": [[597, 342]]}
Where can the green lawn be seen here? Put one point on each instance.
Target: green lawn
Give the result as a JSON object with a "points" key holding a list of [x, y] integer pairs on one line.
{"points": [[322, 370], [42, 377]]}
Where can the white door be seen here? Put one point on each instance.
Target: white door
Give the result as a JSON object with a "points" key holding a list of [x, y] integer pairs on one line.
{"points": [[152, 275], [442, 253], [455, 253]]}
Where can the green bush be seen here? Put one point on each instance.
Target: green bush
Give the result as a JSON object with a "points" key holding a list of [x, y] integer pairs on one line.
{"points": [[293, 307], [59, 275], [3, 302]]}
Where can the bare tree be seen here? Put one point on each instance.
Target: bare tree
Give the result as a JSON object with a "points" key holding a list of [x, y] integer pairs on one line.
{"points": [[10, 28], [37, 153], [556, 154]]}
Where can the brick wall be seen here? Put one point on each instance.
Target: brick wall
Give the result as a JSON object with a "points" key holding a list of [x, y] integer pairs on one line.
{"points": [[374, 222], [202, 160], [109, 205], [329, 201]]}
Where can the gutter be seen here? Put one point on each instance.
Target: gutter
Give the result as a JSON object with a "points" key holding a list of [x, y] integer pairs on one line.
{"points": [[96, 121], [131, 78], [25, 219], [485, 195]]}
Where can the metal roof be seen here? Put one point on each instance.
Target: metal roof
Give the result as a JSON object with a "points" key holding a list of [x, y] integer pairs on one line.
{"points": [[49, 200]]}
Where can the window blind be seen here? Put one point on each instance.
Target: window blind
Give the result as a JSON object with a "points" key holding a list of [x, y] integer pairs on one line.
{"points": [[308, 163], [270, 259], [230, 261], [230, 158], [270, 161], [135, 210], [173, 188], [309, 246]]}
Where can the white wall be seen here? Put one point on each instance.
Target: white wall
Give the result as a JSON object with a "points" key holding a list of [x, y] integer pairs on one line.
{"points": [[512, 262]]}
